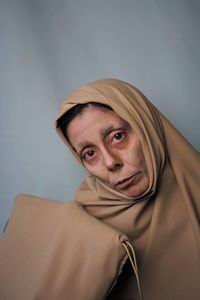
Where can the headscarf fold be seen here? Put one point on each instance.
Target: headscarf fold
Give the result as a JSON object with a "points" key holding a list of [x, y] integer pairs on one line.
{"points": [[163, 222]]}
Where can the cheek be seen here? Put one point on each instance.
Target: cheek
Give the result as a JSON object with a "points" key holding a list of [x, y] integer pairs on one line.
{"points": [[134, 153], [96, 170]]}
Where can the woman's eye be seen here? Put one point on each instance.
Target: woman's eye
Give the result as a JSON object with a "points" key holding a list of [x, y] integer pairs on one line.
{"points": [[88, 155], [119, 136]]}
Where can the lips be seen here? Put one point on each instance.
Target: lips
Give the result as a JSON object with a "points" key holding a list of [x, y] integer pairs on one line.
{"points": [[124, 183]]}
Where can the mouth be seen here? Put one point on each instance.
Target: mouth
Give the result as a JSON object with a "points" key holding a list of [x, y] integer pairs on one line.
{"points": [[124, 183]]}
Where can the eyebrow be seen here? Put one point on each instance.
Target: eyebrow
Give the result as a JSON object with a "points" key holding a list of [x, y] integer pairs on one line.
{"points": [[107, 131]]}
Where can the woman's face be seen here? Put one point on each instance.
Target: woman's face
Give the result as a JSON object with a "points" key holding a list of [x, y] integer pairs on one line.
{"points": [[110, 150]]}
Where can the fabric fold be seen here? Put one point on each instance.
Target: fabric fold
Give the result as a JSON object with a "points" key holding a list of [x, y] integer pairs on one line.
{"points": [[53, 250]]}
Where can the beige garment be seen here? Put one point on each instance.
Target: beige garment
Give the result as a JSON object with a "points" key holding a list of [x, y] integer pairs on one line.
{"points": [[56, 251], [163, 223]]}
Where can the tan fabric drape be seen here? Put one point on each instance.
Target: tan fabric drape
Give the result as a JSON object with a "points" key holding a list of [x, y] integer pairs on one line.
{"points": [[57, 251], [163, 224]]}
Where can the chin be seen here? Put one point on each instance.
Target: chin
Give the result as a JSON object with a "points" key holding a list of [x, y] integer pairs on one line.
{"points": [[136, 191]]}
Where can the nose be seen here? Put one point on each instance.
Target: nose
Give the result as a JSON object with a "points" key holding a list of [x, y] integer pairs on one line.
{"points": [[112, 161]]}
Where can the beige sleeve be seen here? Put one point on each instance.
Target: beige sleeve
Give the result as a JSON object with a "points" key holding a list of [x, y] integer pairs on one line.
{"points": [[53, 250]]}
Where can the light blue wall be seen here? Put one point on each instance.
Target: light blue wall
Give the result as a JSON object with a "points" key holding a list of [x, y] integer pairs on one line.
{"points": [[47, 48]]}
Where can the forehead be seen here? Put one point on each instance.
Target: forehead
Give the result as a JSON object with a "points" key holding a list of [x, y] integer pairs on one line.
{"points": [[93, 122]]}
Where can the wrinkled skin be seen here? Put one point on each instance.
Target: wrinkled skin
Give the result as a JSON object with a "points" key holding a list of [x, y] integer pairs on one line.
{"points": [[110, 150]]}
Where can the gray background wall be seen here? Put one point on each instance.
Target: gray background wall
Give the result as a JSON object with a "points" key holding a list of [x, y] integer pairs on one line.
{"points": [[48, 48]]}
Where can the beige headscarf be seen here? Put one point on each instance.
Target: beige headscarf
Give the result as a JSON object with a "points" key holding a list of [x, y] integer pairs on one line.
{"points": [[163, 223]]}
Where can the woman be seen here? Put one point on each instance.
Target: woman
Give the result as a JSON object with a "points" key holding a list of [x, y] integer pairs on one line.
{"points": [[144, 182], [132, 231]]}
